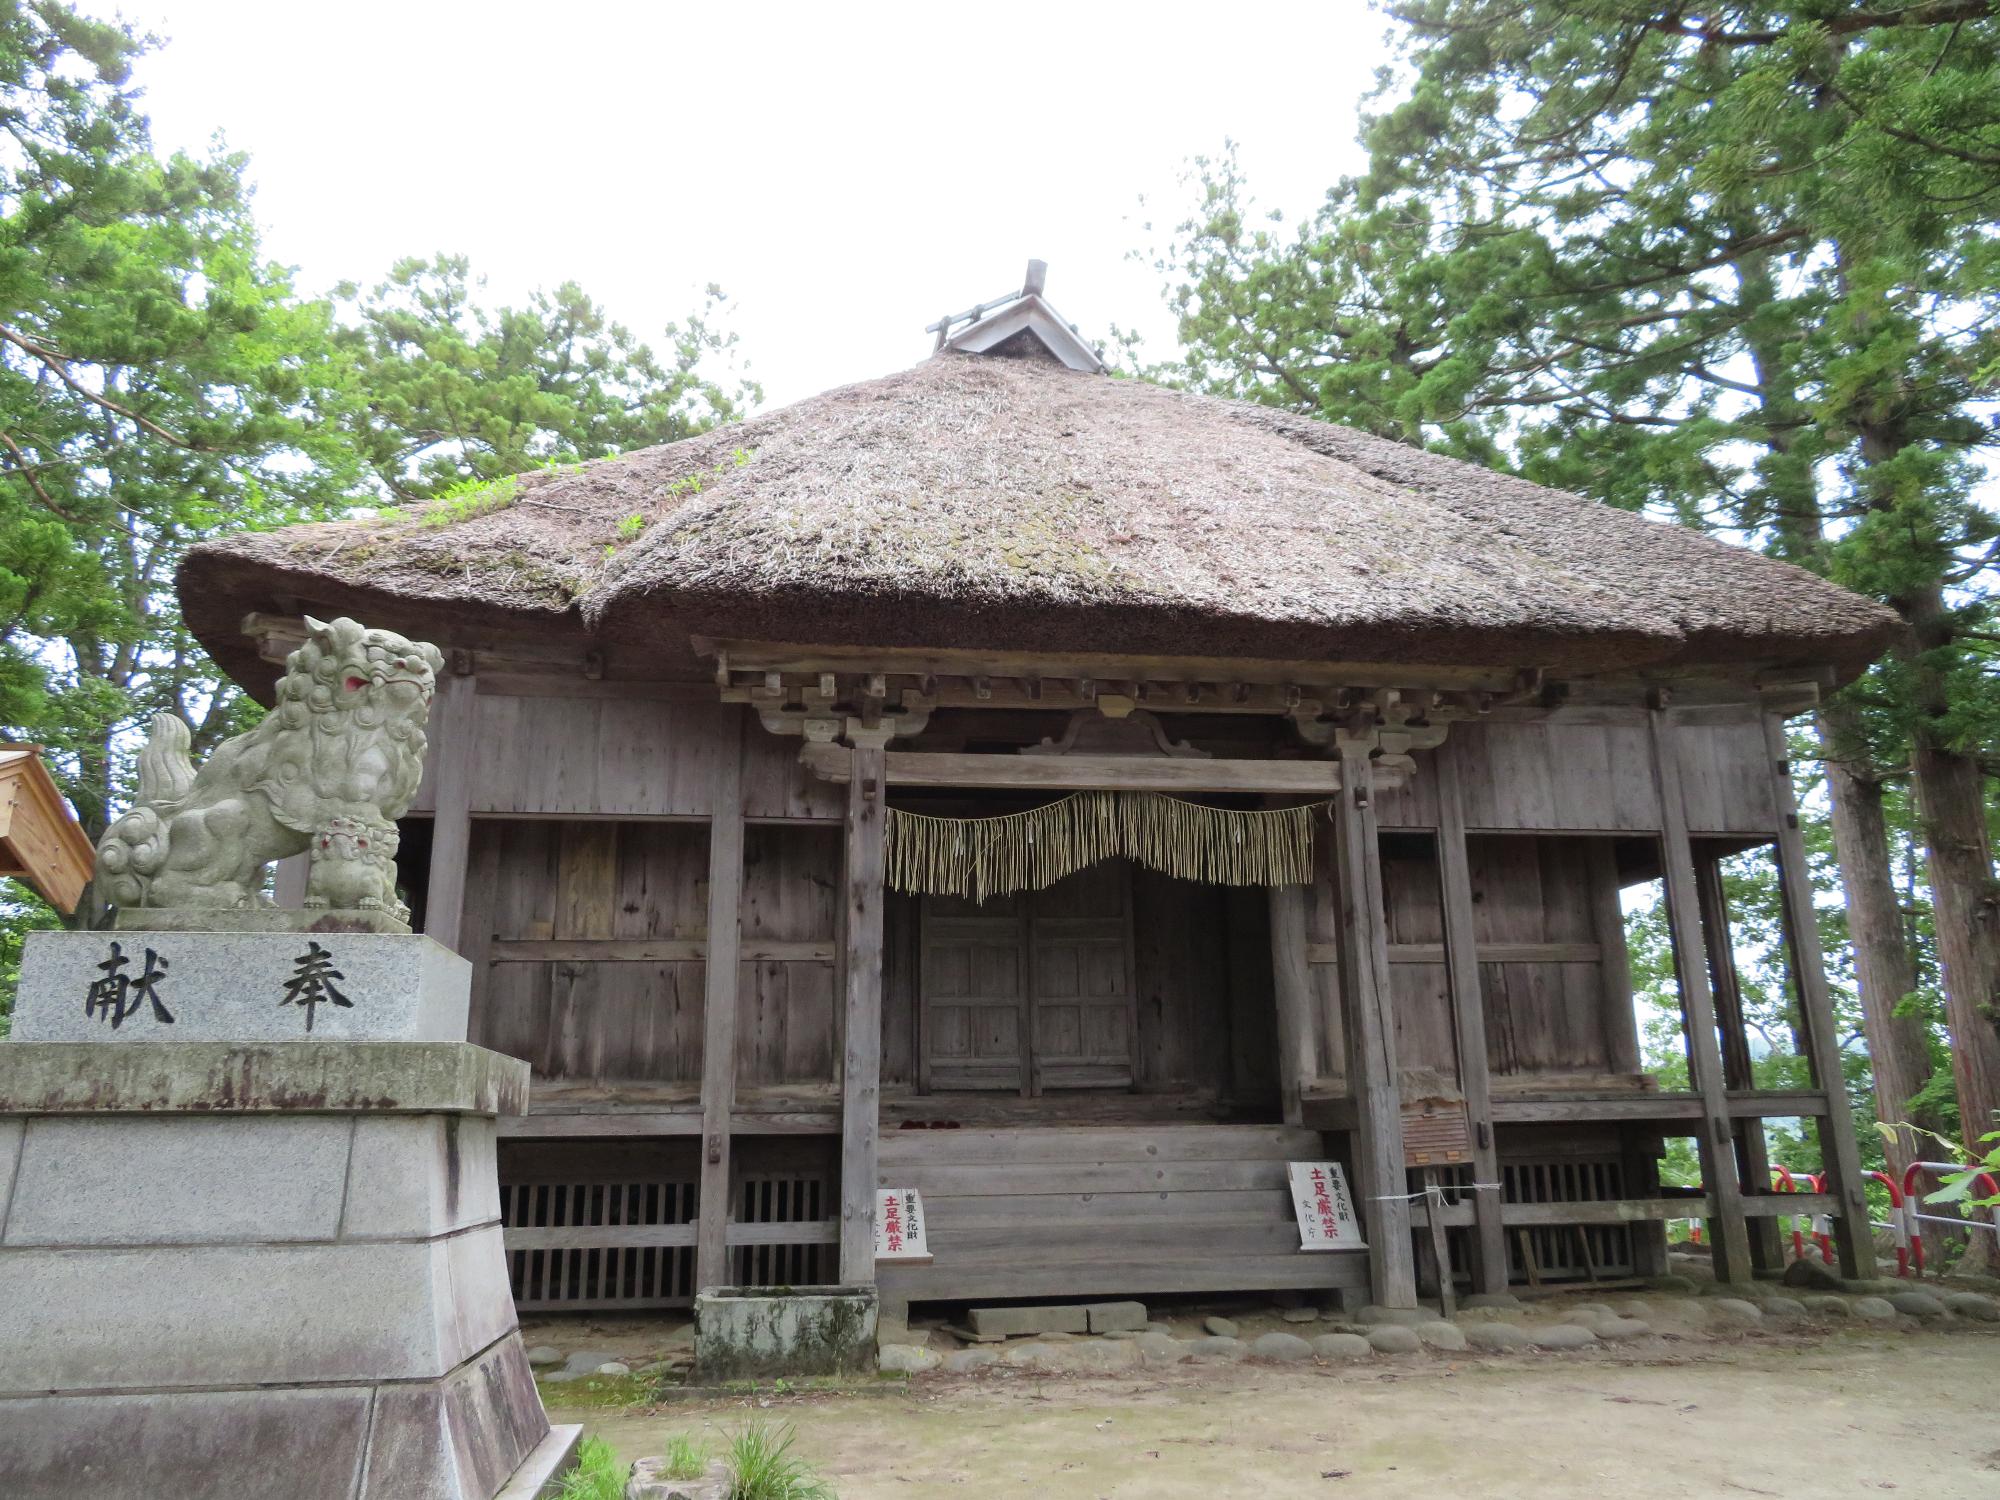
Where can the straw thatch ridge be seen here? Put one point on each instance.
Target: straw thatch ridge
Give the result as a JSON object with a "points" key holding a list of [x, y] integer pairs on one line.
{"points": [[1011, 504]]}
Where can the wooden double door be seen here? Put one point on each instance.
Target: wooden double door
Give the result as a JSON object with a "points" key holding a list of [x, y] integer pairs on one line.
{"points": [[1032, 991]]}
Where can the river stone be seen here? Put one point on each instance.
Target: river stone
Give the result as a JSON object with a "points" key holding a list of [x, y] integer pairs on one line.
{"points": [[1215, 1346], [1490, 1315], [1057, 1336], [1633, 1307], [1394, 1338], [1497, 1336], [1122, 1335], [648, 1481], [1735, 1312], [1583, 1312], [909, 1359], [587, 1361], [965, 1361], [613, 1367], [1782, 1308], [1491, 1299], [1441, 1336], [1160, 1348], [1975, 1305], [1812, 1276], [543, 1355], [1562, 1336], [1616, 1330], [1030, 1353], [1374, 1316], [1300, 1315], [1826, 1305], [1872, 1309], [1917, 1304], [1670, 1283], [1281, 1346], [1222, 1328], [1342, 1346], [1166, 1328]]}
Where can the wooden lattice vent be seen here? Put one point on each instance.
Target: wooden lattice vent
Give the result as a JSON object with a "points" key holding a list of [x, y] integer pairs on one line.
{"points": [[1437, 1132]]}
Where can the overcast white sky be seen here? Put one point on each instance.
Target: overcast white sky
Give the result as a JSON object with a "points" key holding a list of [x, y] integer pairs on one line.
{"points": [[847, 173]]}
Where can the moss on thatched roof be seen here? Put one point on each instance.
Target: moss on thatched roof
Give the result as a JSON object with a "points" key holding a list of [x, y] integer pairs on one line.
{"points": [[985, 503]]}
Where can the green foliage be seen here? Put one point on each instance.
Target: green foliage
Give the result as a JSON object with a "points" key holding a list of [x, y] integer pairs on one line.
{"points": [[159, 381], [470, 497], [447, 389], [597, 1476], [762, 1466]]}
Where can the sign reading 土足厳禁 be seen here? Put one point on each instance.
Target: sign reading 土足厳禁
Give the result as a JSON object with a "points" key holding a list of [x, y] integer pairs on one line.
{"points": [[899, 1226], [138, 986], [1326, 1212]]}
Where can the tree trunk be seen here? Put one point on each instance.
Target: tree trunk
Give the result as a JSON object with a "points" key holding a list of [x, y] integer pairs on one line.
{"points": [[1965, 900], [1884, 969]]}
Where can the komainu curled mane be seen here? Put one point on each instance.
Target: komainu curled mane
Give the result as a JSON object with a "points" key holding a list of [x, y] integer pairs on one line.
{"points": [[330, 769]]}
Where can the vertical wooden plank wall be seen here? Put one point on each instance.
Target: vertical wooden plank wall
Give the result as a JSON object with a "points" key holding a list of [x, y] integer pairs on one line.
{"points": [[452, 728], [1371, 1034], [1728, 1235], [1839, 1152], [861, 1071], [1468, 1008], [718, 1047]]}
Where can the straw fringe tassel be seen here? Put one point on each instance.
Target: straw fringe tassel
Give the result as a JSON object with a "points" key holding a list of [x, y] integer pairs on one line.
{"points": [[1027, 851]]}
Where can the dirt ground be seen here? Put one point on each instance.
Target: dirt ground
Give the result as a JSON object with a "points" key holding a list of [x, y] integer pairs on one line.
{"points": [[1850, 1413]]}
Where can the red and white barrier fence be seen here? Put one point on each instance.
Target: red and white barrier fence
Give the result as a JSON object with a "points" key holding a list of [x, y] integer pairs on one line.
{"points": [[1913, 1219]]}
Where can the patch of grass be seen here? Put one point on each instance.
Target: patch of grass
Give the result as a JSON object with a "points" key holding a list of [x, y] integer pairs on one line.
{"points": [[469, 498], [597, 1475], [762, 1466], [601, 1391], [686, 1457]]}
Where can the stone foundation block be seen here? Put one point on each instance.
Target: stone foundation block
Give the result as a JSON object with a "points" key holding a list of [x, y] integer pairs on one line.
{"points": [[460, 1436]]}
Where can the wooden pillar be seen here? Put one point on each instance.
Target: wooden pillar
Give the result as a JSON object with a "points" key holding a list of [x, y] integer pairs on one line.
{"points": [[1371, 1032], [861, 1068], [718, 1017], [1729, 1237], [1753, 1155], [453, 731], [1468, 1011], [1840, 1156], [1291, 981], [1639, 1147]]}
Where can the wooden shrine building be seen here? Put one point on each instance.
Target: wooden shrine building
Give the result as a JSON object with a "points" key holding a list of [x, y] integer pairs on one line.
{"points": [[1076, 799]]}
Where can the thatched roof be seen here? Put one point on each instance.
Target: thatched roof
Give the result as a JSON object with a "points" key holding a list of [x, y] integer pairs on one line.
{"points": [[982, 502]]}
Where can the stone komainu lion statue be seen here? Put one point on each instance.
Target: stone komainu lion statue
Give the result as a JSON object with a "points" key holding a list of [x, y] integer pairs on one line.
{"points": [[330, 769]]}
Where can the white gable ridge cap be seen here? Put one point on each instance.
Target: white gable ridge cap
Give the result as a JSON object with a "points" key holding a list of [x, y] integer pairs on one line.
{"points": [[1032, 313]]}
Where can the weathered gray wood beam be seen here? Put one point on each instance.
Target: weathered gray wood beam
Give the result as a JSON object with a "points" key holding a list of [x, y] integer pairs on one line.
{"points": [[1291, 980], [718, 1032], [1371, 1033], [453, 738], [1468, 1013], [861, 1068], [1083, 772], [1753, 1154], [1840, 1155], [1729, 1236]]}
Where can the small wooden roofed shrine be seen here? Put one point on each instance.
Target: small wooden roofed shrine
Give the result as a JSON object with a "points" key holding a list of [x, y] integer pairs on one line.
{"points": [[1076, 800]]}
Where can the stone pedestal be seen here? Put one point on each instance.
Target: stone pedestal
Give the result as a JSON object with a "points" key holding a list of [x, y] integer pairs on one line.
{"points": [[236, 1268]]}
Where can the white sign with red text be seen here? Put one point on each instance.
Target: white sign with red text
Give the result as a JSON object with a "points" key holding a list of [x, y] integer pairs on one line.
{"points": [[899, 1226], [1326, 1213]]}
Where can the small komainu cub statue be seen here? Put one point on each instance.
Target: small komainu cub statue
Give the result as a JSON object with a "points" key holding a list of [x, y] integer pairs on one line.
{"points": [[330, 769]]}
